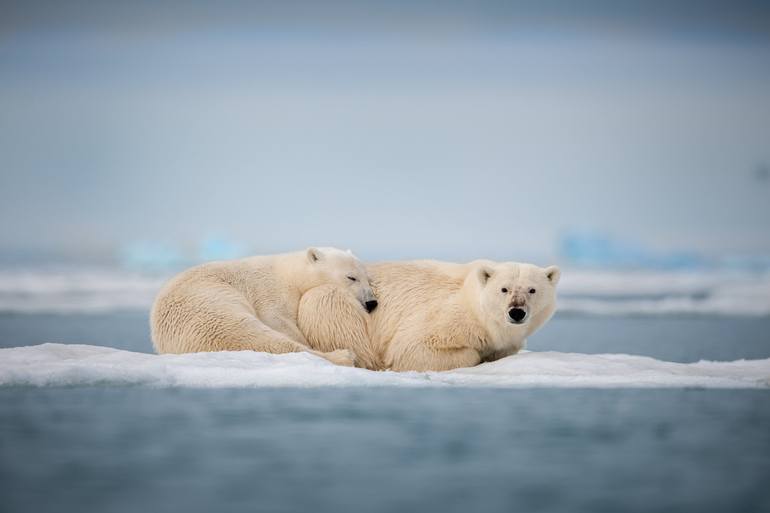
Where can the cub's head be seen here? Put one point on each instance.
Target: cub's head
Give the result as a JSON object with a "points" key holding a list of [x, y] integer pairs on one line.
{"points": [[516, 298], [342, 268]]}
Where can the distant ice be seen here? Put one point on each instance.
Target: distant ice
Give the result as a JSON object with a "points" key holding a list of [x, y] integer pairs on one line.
{"points": [[645, 292], [76, 290], [83, 365], [594, 292]]}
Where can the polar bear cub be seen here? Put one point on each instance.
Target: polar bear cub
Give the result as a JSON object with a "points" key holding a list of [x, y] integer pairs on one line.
{"points": [[252, 303], [436, 315]]}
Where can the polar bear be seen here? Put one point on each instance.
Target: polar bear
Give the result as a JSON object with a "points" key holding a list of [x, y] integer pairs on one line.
{"points": [[251, 303], [435, 315]]}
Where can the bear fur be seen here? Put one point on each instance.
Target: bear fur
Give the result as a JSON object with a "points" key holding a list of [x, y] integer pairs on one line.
{"points": [[252, 303], [434, 315]]}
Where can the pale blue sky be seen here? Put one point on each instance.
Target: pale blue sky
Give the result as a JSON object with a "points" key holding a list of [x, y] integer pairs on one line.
{"points": [[417, 136]]}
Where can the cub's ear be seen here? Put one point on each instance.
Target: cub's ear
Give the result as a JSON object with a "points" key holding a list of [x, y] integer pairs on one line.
{"points": [[553, 274], [314, 255], [484, 273]]}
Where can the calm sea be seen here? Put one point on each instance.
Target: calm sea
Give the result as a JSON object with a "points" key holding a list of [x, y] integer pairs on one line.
{"points": [[393, 449]]}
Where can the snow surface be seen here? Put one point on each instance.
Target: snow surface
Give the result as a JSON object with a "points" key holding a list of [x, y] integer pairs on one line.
{"points": [[641, 292], [84, 365]]}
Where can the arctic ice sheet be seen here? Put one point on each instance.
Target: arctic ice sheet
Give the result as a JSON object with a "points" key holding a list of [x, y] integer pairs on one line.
{"points": [[594, 292], [84, 365]]}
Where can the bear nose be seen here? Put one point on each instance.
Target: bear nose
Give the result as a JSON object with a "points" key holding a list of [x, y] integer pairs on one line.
{"points": [[517, 314], [371, 305]]}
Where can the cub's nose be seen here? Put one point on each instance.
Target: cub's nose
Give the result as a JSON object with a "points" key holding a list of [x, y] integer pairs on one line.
{"points": [[370, 305], [517, 314]]}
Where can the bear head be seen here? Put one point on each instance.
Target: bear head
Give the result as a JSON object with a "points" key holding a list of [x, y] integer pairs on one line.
{"points": [[514, 299], [342, 268]]}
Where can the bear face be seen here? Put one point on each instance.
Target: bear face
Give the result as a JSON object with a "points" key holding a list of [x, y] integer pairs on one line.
{"points": [[342, 268], [515, 299]]}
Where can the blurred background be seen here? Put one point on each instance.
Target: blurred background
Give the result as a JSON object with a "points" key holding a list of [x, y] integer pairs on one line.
{"points": [[137, 138], [628, 142]]}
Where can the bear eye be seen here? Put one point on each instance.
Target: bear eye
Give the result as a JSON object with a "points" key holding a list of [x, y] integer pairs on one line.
{"points": [[504, 290], [532, 291], [352, 278]]}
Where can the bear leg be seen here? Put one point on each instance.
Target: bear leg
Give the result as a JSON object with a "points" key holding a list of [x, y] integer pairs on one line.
{"points": [[421, 357], [332, 319]]}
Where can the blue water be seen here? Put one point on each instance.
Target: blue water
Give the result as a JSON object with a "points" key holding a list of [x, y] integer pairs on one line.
{"points": [[135, 449], [333, 450]]}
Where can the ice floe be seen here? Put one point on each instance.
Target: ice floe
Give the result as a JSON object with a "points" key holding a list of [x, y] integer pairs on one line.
{"points": [[83, 365]]}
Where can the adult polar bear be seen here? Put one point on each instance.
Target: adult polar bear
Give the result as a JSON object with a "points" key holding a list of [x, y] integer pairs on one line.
{"points": [[435, 315], [252, 303]]}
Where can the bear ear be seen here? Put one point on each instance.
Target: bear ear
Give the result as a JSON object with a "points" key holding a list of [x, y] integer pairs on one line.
{"points": [[553, 274], [314, 255], [484, 273]]}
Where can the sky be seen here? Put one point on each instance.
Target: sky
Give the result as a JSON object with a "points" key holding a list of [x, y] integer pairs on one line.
{"points": [[447, 130]]}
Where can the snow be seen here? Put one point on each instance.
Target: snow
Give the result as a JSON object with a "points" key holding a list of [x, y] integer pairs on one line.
{"points": [[84, 365]]}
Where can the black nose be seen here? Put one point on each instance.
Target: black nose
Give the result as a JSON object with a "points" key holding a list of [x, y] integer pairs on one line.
{"points": [[517, 314], [371, 305]]}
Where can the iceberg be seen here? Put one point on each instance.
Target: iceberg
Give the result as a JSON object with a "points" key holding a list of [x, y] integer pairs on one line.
{"points": [[603, 251], [71, 365]]}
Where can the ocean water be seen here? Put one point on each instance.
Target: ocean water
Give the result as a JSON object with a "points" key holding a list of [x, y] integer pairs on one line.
{"points": [[139, 448], [106, 442], [393, 449]]}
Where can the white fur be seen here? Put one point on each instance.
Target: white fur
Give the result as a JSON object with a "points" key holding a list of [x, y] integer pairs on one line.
{"points": [[252, 303], [433, 315]]}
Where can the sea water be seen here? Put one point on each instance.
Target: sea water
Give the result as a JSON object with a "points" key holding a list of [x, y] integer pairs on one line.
{"points": [[140, 448], [385, 449], [151, 445]]}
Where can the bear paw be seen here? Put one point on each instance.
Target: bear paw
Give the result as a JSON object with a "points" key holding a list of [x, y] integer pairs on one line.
{"points": [[344, 357]]}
